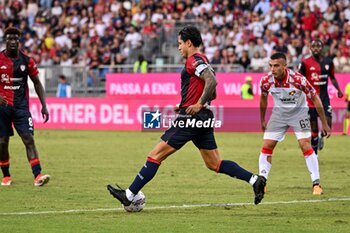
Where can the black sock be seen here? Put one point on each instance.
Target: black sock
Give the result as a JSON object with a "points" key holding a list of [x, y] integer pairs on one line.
{"points": [[314, 143], [234, 170], [5, 167], [36, 168], [146, 174]]}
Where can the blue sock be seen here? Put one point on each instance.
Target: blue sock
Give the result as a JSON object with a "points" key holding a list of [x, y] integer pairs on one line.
{"points": [[36, 168], [314, 143], [5, 171], [5, 167], [234, 170], [146, 174]]}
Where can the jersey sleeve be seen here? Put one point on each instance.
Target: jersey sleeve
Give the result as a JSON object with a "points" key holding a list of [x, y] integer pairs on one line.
{"points": [[196, 66], [32, 68], [306, 87], [264, 86]]}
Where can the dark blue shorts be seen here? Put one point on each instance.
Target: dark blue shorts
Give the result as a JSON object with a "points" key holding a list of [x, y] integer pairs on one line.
{"points": [[327, 110], [21, 119], [202, 137]]}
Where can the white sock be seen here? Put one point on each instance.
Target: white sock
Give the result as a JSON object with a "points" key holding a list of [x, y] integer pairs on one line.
{"points": [[253, 179], [312, 165], [129, 195], [264, 165]]}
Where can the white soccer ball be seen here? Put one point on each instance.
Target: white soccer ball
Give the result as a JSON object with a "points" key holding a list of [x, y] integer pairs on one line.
{"points": [[137, 204]]}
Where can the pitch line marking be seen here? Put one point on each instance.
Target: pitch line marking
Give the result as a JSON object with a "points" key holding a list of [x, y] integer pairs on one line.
{"points": [[174, 207]]}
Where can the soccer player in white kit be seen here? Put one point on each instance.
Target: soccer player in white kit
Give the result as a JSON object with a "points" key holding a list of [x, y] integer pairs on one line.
{"points": [[289, 90]]}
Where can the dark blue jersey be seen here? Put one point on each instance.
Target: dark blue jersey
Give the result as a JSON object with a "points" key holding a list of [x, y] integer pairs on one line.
{"points": [[14, 74]]}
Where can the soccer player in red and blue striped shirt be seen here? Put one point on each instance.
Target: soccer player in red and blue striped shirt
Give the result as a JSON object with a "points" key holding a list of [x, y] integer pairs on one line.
{"points": [[15, 67], [198, 89]]}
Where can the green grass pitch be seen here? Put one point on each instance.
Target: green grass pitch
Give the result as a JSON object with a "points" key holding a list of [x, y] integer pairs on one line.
{"points": [[82, 163]]}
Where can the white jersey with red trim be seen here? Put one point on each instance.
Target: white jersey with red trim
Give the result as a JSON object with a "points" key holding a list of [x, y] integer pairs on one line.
{"points": [[290, 94]]}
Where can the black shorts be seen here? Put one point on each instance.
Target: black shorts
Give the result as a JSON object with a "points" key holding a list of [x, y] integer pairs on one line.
{"points": [[327, 110], [348, 109], [202, 137], [21, 119]]}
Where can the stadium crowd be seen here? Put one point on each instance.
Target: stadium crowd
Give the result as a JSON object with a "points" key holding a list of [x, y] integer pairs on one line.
{"points": [[95, 32]]}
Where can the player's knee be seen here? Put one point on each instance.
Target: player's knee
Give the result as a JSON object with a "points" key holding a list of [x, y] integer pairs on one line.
{"points": [[4, 141], [305, 146], [28, 139]]}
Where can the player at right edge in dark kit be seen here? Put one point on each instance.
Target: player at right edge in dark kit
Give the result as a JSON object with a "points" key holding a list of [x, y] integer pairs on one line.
{"points": [[198, 89], [317, 69]]}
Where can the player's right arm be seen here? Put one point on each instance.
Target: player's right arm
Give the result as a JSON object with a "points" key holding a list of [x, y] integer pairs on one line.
{"points": [[263, 107], [319, 108], [264, 86]]}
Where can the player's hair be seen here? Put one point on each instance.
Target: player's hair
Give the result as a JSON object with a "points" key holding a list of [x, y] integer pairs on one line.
{"points": [[317, 41], [12, 31], [191, 33], [278, 56]]}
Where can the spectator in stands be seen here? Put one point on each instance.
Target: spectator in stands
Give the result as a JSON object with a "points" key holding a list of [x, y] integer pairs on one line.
{"points": [[256, 62], [46, 60], [216, 60], [341, 63], [79, 24], [245, 60], [141, 65], [64, 89], [262, 7]]}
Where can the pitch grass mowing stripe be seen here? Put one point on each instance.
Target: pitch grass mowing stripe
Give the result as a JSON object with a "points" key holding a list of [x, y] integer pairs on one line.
{"points": [[175, 207]]}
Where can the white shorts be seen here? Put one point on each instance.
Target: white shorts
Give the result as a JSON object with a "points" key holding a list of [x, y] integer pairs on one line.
{"points": [[277, 126]]}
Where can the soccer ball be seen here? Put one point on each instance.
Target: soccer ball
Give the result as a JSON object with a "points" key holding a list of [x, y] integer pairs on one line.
{"points": [[137, 204]]}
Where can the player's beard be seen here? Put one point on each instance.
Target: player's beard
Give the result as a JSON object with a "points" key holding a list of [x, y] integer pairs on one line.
{"points": [[12, 51]]}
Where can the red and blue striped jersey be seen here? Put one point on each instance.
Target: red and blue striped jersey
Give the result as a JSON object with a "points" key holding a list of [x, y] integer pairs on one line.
{"points": [[14, 74], [191, 85]]}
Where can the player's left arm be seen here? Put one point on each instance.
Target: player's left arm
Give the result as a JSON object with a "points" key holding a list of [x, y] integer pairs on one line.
{"points": [[209, 92], [335, 82], [39, 89]]}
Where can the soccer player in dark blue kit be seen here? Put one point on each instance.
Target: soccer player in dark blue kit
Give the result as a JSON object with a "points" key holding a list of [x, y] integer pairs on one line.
{"points": [[15, 67], [198, 89], [317, 69]]}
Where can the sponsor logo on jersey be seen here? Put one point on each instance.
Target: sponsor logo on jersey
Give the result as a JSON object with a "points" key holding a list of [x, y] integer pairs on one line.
{"points": [[3, 67], [12, 87], [292, 93], [326, 67], [312, 68], [314, 76], [17, 79], [22, 67], [320, 83], [288, 100], [5, 78]]}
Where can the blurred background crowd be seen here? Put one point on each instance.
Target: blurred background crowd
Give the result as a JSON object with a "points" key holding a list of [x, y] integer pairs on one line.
{"points": [[97, 33]]}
